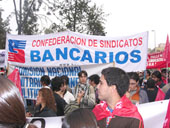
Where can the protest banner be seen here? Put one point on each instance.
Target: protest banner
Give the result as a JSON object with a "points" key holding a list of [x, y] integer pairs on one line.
{"points": [[67, 53], [156, 61], [153, 115], [30, 76], [159, 59], [128, 52]]}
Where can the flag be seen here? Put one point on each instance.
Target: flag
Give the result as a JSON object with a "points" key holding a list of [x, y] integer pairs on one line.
{"points": [[15, 78], [160, 95], [166, 53], [159, 59], [167, 118]]}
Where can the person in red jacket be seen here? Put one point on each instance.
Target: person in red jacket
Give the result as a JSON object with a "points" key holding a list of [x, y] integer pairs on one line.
{"points": [[115, 109]]}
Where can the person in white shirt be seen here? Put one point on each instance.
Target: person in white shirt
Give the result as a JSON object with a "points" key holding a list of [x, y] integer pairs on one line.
{"points": [[68, 96]]}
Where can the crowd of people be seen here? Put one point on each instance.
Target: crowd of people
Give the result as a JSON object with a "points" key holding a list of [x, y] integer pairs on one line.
{"points": [[102, 101]]}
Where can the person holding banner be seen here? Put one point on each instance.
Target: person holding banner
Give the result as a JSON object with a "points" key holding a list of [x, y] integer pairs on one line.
{"points": [[12, 111], [115, 109]]}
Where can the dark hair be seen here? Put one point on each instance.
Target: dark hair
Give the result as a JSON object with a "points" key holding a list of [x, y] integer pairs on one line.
{"points": [[45, 79], [80, 118], [164, 71], [148, 72], [150, 83], [133, 75], [12, 111], [65, 79], [48, 98], [95, 78], [118, 77], [157, 74], [82, 72], [56, 83]]}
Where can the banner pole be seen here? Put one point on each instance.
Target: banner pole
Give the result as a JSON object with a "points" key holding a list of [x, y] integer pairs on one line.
{"points": [[113, 63]]}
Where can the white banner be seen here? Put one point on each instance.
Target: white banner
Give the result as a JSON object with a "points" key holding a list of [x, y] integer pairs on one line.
{"points": [[30, 76], [2, 58], [153, 115], [128, 53]]}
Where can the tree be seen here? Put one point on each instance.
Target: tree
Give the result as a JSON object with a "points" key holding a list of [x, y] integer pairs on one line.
{"points": [[26, 21], [79, 16], [27, 17], [3, 30], [73, 15], [54, 28], [96, 20], [30, 26]]}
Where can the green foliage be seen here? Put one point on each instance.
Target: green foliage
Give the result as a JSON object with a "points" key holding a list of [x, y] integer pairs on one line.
{"points": [[96, 21], [74, 15], [30, 26], [54, 28], [28, 16], [79, 16], [3, 30]]}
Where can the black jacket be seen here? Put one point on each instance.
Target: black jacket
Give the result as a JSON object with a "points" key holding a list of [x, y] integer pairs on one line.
{"points": [[45, 112], [60, 104]]}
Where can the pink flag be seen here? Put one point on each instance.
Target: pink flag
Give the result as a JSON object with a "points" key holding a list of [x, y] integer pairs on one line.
{"points": [[167, 118], [156, 60], [15, 78], [160, 59], [160, 95], [166, 53]]}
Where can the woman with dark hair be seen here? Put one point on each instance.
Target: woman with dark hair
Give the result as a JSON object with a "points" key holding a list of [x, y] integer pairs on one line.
{"points": [[67, 95], [12, 111], [80, 118], [157, 77], [45, 105]]}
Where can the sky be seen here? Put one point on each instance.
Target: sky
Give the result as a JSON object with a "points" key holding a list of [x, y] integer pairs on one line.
{"points": [[128, 17]]}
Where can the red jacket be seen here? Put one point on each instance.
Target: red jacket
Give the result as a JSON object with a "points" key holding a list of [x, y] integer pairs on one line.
{"points": [[124, 108]]}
